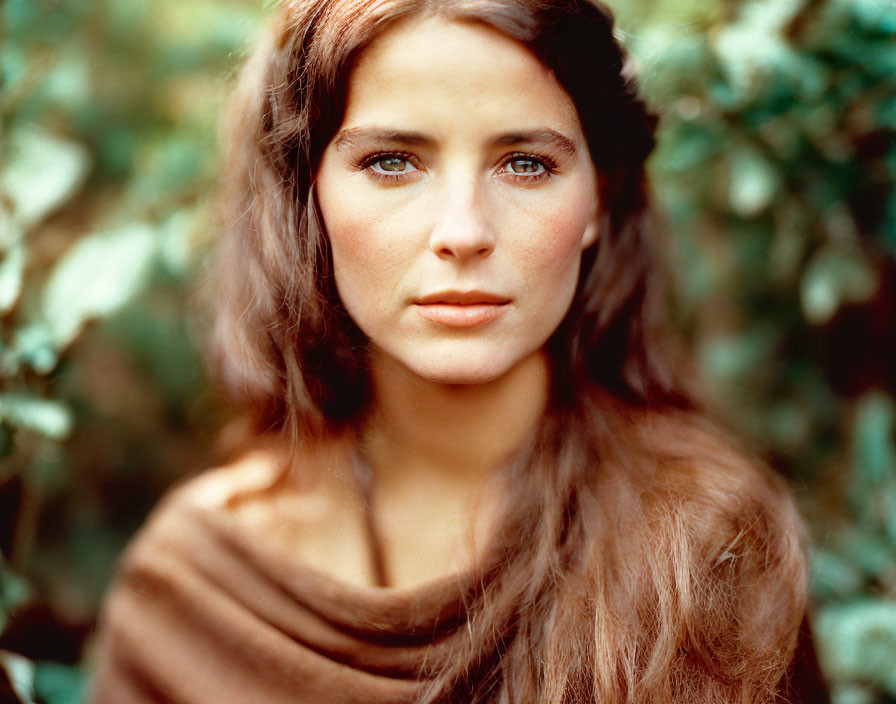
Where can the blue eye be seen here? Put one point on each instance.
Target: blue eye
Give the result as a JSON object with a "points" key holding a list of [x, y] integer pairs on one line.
{"points": [[391, 165]]}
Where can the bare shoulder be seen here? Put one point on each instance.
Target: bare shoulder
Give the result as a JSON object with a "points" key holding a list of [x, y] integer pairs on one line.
{"points": [[303, 505], [250, 472], [266, 489], [270, 481]]}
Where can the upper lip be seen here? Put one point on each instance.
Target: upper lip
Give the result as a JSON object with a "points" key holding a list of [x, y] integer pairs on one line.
{"points": [[463, 298]]}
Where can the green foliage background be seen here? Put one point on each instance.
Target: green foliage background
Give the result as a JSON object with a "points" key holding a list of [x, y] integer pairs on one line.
{"points": [[776, 168]]}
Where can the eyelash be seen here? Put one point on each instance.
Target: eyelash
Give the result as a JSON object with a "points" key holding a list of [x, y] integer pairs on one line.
{"points": [[366, 164], [549, 166]]}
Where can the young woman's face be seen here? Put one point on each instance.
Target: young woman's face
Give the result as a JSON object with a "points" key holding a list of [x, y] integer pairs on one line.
{"points": [[458, 195]]}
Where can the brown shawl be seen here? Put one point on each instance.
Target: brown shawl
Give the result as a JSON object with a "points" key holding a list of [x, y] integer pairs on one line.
{"points": [[204, 613]]}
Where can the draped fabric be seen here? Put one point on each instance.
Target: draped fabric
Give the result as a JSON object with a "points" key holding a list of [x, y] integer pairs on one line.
{"points": [[203, 612]]}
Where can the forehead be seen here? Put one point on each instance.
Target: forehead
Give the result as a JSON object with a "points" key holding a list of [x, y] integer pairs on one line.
{"points": [[454, 73]]}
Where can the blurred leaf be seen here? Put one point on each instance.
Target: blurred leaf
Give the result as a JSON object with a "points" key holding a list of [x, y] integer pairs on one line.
{"points": [[869, 550], [10, 233], [12, 272], [875, 444], [13, 593], [853, 694], [177, 240], [751, 48], [877, 15], [49, 418], [832, 278], [873, 482], [96, 277], [169, 165], [788, 424], [694, 146], [58, 684], [43, 172], [19, 13], [20, 672], [753, 181], [832, 576], [857, 642], [35, 346], [736, 356], [68, 84]]}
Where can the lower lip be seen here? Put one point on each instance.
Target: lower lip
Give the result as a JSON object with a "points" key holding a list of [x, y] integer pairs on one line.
{"points": [[461, 316]]}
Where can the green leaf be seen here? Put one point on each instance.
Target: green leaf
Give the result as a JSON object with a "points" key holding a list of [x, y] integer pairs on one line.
{"points": [[875, 451], [729, 358], [49, 418], [868, 550], [96, 277], [873, 481], [752, 47], [876, 15], [833, 577], [753, 181], [58, 684], [34, 345], [833, 277], [852, 694], [42, 173], [178, 241], [12, 274], [857, 642], [20, 672], [10, 233], [13, 593]]}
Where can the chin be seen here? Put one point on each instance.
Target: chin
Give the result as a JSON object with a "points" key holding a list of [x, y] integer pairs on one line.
{"points": [[454, 373], [455, 365], [463, 379]]}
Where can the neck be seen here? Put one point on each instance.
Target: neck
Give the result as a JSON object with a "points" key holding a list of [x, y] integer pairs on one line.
{"points": [[456, 432]]}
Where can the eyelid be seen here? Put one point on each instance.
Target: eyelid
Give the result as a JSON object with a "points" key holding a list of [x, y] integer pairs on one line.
{"points": [[548, 164], [369, 161]]}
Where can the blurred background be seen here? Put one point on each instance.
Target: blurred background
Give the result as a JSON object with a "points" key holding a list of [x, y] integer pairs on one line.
{"points": [[776, 170]]}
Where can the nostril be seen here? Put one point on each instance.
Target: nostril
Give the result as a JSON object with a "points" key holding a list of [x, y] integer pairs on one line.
{"points": [[463, 252]]}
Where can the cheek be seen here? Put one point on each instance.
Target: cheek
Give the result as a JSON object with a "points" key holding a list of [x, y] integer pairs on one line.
{"points": [[553, 248], [366, 257]]}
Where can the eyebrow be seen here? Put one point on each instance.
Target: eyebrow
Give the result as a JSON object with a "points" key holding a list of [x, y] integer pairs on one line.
{"points": [[543, 135], [355, 135]]}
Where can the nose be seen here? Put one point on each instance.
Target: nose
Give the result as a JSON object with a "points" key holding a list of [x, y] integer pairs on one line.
{"points": [[462, 231]]}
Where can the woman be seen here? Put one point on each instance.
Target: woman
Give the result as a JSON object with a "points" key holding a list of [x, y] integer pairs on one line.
{"points": [[483, 477]]}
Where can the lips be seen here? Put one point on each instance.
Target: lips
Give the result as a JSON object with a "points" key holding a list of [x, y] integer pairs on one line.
{"points": [[461, 309], [467, 298]]}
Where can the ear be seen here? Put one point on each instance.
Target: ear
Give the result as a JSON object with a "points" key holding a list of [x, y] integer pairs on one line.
{"points": [[592, 229]]}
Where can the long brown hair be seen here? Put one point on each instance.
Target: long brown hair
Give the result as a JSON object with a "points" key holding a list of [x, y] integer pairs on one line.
{"points": [[660, 565]]}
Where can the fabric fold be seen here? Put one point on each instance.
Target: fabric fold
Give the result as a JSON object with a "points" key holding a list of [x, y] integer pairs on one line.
{"points": [[202, 611]]}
